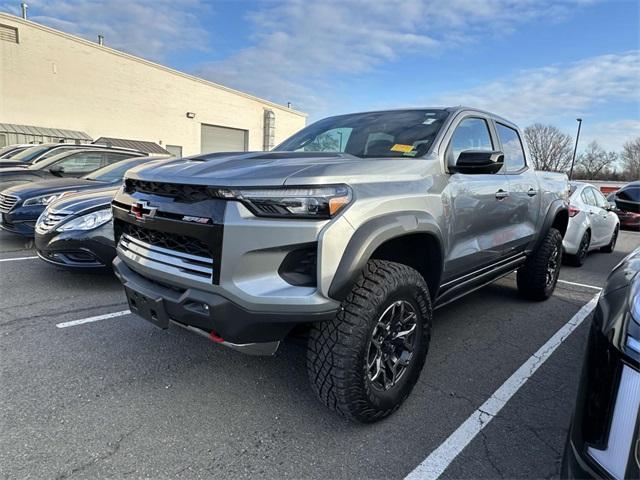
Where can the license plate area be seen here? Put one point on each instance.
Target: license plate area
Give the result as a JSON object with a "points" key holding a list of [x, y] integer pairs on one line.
{"points": [[151, 309]]}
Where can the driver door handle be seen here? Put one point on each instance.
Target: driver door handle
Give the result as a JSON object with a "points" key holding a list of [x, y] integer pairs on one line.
{"points": [[532, 192], [501, 194]]}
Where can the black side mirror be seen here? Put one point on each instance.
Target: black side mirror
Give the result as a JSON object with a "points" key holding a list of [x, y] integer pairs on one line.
{"points": [[57, 170], [478, 161]]}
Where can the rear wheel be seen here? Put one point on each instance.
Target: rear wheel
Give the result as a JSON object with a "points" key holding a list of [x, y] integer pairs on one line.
{"points": [[578, 259], [365, 362], [537, 278], [612, 244]]}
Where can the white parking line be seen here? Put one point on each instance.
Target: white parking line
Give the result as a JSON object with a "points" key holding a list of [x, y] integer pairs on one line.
{"points": [[17, 258], [580, 285], [438, 461], [97, 318]]}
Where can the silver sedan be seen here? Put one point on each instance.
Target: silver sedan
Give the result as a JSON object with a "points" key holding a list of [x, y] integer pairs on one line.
{"points": [[592, 223]]}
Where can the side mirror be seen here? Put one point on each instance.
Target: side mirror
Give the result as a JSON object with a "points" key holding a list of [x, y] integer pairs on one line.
{"points": [[57, 170], [478, 161], [612, 207]]}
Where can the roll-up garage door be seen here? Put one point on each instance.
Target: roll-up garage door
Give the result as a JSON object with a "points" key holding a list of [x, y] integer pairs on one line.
{"points": [[222, 139]]}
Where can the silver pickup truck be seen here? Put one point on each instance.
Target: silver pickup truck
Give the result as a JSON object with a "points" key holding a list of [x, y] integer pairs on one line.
{"points": [[353, 231]]}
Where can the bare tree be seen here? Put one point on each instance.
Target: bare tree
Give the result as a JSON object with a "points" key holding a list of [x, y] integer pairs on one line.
{"points": [[550, 148], [631, 159], [594, 163]]}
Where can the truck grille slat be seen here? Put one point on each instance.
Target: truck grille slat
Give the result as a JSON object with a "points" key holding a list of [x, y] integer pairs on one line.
{"points": [[181, 192], [7, 202], [193, 265], [169, 241]]}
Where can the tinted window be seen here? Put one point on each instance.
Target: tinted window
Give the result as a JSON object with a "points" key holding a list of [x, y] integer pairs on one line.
{"points": [[83, 162], [470, 134], [405, 133], [115, 171], [116, 157], [27, 154], [52, 152], [512, 148], [588, 197]]}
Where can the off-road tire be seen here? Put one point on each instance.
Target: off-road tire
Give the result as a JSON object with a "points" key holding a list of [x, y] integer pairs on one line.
{"points": [[578, 259], [337, 350], [532, 276], [611, 246]]}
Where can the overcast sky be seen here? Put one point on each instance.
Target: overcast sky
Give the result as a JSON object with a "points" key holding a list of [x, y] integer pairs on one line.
{"points": [[528, 60]]}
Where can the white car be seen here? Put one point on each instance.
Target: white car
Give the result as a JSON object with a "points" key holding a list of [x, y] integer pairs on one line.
{"points": [[592, 223]]}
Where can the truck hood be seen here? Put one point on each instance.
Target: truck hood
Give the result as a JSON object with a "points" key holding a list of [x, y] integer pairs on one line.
{"points": [[273, 169]]}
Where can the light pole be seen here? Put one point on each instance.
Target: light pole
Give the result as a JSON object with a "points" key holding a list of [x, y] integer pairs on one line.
{"points": [[575, 148]]}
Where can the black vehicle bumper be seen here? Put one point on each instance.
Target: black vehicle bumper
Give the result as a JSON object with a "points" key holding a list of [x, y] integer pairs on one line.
{"points": [[222, 319], [78, 248], [21, 220]]}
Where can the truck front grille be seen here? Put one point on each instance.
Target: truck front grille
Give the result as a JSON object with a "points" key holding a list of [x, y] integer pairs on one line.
{"points": [[181, 192], [170, 241], [7, 202], [198, 267]]}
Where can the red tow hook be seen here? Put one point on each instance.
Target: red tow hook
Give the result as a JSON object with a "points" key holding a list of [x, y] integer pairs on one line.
{"points": [[215, 337]]}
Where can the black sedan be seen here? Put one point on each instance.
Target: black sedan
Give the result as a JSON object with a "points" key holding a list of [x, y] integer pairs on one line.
{"points": [[76, 231], [604, 440], [75, 163], [21, 205]]}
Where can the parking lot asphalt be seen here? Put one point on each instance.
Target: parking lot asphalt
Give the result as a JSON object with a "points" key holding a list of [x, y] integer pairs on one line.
{"points": [[120, 398]]}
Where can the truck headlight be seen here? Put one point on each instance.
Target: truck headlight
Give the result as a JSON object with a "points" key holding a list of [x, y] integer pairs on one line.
{"points": [[293, 202], [43, 199], [88, 221]]}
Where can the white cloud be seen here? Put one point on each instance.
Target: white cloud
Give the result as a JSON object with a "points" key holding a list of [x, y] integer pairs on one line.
{"points": [[299, 47], [572, 89], [152, 29], [610, 135]]}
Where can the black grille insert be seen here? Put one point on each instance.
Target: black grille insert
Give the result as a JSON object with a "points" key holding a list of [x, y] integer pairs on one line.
{"points": [[171, 241], [181, 192]]}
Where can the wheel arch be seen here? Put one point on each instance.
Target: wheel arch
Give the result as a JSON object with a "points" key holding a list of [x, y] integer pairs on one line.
{"points": [[411, 238]]}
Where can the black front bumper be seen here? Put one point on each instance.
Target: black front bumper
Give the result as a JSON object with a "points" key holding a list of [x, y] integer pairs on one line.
{"points": [[78, 248], [21, 220], [214, 313]]}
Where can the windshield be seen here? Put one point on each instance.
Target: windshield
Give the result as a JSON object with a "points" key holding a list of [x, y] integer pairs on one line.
{"points": [[403, 133], [115, 171], [27, 154]]}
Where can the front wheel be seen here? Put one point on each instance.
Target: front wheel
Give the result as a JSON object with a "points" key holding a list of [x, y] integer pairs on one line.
{"points": [[537, 278], [365, 362]]}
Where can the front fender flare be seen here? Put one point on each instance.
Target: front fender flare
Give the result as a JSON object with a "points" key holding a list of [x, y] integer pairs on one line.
{"points": [[369, 236]]}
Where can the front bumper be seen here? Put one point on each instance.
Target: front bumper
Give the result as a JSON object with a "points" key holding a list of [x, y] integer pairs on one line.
{"points": [[78, 248], [21, 220], [217, 316]]}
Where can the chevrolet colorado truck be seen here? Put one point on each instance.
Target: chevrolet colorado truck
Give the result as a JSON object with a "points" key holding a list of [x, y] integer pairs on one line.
{"points": [[354, 230]]}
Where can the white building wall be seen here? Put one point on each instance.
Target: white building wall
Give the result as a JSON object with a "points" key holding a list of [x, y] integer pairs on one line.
{"points": [[52, 79]]}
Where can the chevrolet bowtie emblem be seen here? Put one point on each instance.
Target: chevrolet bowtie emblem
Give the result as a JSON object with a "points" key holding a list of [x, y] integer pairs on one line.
{"points": [[143, 211]]}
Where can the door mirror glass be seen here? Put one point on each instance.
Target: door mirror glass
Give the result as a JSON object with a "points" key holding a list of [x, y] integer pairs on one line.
{"points": [[479, 161]]}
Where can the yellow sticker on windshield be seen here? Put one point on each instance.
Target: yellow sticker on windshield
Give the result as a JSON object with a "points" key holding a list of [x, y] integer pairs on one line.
{"points": [[399, 147]]}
